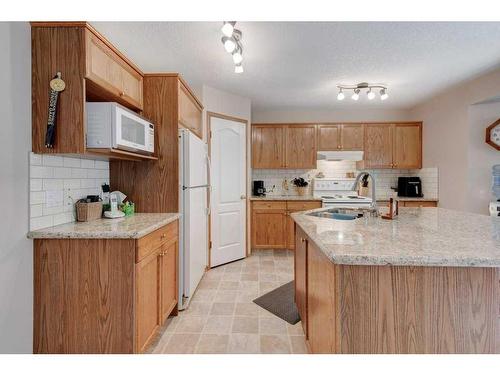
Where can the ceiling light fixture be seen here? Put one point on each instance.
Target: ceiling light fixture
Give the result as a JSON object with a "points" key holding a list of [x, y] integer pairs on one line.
{"points": [[232, 44], [383, 94], [237, 55], [228, 28], [340, 95], [355, 95], [362, 86], [370, 94], [229, 44], [238, 68]]}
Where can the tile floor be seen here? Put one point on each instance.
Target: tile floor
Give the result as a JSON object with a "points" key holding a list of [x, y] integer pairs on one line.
{"points": [[222, 317]]}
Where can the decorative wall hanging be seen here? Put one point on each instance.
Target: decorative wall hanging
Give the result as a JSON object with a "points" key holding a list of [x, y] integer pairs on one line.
{"points": [[57, 85], [493, 135]]}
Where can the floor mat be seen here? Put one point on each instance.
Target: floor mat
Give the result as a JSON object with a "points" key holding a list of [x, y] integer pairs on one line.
{"points": [[281, 302]]}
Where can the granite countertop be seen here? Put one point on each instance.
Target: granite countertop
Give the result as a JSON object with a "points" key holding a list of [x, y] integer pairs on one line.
{"points": [[135, 226], [285, 198], [417, 237], [410, 199]]}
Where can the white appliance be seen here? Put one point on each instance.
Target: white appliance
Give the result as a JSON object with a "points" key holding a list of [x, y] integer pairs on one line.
{"points": [[340, 155], [110, 125], [338, 193], [194, 167]]}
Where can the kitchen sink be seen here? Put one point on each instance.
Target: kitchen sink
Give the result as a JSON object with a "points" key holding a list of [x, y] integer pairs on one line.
{"points": [[340, 213]]}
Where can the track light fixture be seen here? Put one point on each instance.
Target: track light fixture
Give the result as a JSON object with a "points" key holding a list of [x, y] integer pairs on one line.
{"points": [[232, 44], [363, 85]]}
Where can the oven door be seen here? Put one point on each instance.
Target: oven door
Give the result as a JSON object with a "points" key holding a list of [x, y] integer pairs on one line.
{"points": [[132, 132]]}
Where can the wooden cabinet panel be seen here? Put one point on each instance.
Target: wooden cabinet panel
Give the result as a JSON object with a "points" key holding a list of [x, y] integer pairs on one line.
{"points": [[108, 70], [352, 137], [328, 137], [156, 239], [300, 277], [296, 206], [168, 279], [190, 112], [407, 146], [378, 146], [268, 147], [147, 298], [300, 149], [321, 302], [269, 229], [269, 205]]}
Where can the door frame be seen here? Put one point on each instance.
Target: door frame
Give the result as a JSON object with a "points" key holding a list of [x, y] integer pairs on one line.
{"points": [[211, 115]]}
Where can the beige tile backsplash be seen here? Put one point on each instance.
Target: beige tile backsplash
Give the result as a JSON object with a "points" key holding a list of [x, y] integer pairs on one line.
{"points": [[384, 178], [67, 178]]}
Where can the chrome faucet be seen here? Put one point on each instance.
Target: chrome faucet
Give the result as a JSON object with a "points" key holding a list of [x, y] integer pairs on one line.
{"points": [[373, 206]]}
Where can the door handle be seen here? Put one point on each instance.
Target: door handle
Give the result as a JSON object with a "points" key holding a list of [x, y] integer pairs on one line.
{"points": [[243, 196]]}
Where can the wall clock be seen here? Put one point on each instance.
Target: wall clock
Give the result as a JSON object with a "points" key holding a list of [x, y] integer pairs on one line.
{"points": [[493, 135]]}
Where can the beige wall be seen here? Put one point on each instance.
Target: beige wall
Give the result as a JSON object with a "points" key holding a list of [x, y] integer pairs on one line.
{"points": [[352, 114], [16, 251], [447, 138]]}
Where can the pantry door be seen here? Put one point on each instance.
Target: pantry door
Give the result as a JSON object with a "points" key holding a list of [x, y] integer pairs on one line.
{"points": [[228, 179]]}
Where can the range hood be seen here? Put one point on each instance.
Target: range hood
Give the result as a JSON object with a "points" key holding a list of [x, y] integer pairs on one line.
{"points": [[340, 155]]}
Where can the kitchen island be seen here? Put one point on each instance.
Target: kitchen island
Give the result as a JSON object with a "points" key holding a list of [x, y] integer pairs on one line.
{"points": [[426, 282], [104, 286]]}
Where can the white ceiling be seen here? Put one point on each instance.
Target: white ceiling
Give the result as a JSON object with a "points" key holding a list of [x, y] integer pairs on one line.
{"points": [[298, 64]]}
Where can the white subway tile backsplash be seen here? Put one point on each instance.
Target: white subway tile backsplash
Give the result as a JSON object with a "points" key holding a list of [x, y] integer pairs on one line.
{"points": [[62, 172], [41, 222], [101, 164], [67, 176], [72, 162], [36, 184], [72, 183], [35, 159], [36, 210], [79, 173], [53, 184], [52, 160], [88, 163], [385, 179], [37, 171], [37, 197]]}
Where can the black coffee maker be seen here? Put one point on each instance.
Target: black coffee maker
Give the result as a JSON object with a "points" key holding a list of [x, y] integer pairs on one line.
{"points": [[410, 187], [258, 189]]}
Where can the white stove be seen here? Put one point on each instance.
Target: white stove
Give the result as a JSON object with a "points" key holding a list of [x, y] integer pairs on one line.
{"points": [[338, 193]]}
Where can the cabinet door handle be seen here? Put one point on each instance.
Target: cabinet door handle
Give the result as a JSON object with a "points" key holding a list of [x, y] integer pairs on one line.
{"points": [[303, 240], [163, 236]]}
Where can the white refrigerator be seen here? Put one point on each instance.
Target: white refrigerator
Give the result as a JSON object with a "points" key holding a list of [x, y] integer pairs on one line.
{"points": [[193, 193]]}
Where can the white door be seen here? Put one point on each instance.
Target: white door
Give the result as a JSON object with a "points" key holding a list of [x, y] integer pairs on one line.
{"points": [[228, 198]]}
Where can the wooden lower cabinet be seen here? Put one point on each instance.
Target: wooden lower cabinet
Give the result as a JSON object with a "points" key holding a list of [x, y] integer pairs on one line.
{"points": [[396, 309], [147, 294], [272, 225], [403, 203], [300, 277], [103, 295]]}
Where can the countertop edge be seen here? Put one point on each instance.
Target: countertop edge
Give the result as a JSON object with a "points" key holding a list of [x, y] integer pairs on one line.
{"points": [[41, 234], [286, 198]]}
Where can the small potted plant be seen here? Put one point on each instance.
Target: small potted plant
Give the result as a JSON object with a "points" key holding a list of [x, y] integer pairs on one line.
{"points": [[301, 185]]}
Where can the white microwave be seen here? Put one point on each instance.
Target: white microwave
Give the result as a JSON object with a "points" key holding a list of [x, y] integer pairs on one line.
{"points": [[110, 125]]}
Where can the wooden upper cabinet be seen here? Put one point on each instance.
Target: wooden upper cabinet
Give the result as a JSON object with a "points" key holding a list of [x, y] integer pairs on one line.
{"points": [[300, 146], [108, 70], [407, 151], [378, 146], [352, 137], [340, 137], [93, 70], [268, 146], [328, 137], [190, 110]]}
